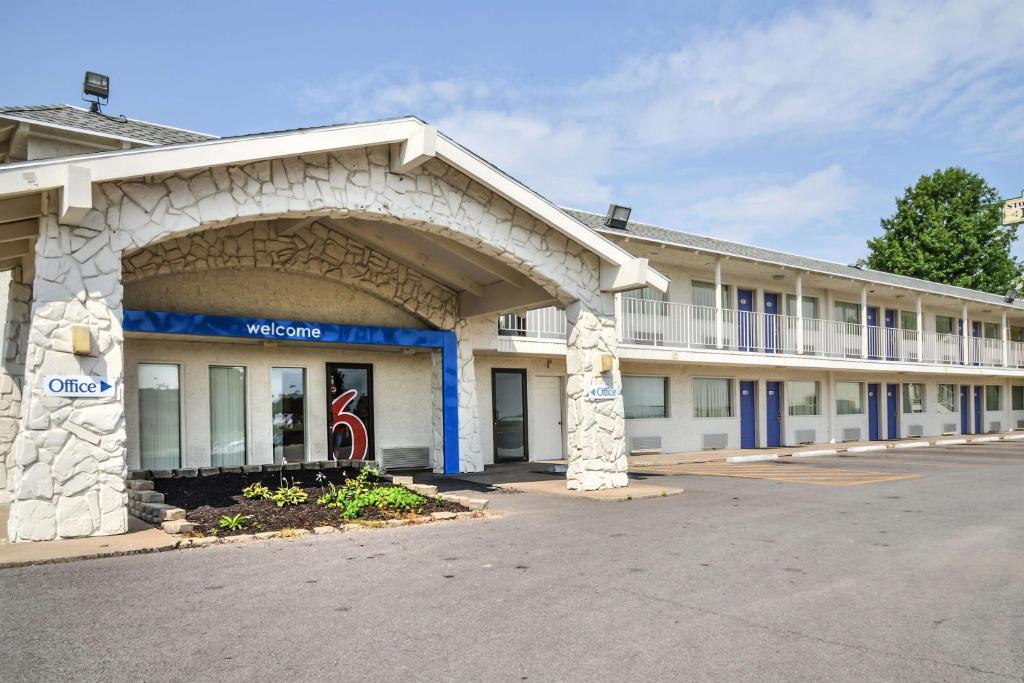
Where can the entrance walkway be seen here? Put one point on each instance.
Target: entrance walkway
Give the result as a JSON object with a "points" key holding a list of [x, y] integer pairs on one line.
{"points": [[141, 538], [537, 477]]}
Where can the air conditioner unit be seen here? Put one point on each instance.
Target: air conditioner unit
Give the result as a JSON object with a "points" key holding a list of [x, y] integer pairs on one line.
{"points": [[712, 442], [995, 426], [915, 430], [851, 434], [949, 428], [646, 444], [416, 457], [806, 436]]}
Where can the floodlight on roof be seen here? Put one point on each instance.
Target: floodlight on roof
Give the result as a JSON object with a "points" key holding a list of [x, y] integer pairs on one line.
{"points": [[618, 216], [95, 85]]}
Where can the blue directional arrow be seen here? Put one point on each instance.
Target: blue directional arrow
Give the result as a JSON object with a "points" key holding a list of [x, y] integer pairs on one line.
{"points": [[104, 386]]}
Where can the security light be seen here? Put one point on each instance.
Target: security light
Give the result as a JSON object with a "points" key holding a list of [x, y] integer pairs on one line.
{"points": [[618, 216], [95, 85], [1011, 295]]}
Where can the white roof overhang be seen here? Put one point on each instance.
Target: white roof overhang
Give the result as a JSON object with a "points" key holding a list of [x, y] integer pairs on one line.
{"points": [[415, 142]]}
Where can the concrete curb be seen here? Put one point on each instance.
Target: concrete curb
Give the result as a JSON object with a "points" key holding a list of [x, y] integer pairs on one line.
{"points": [[813, 454], [912, 444], [865, 449], [753, 458]]}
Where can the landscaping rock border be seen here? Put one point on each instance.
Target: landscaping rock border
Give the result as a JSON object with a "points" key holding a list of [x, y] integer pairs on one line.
{"points": [[148, 504]]}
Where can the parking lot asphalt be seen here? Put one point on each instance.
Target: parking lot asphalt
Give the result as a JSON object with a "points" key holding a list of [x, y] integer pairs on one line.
{"points": [[739, 578]]}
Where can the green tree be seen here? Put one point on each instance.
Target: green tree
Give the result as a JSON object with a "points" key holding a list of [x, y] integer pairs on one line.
{"points": [[947, 229]]}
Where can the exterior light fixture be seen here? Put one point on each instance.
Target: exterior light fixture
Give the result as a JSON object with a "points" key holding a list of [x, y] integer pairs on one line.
{"points": [[618, 216], [860, 264], [95, 85], [1011, 295]]}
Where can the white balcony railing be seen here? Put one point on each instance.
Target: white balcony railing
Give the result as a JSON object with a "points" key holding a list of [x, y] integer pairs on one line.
{"points": [[541, 323], [679, 325]]}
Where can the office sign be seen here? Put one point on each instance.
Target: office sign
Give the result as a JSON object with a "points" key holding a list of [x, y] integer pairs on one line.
{"points": [[77, 386], [602, 392]]}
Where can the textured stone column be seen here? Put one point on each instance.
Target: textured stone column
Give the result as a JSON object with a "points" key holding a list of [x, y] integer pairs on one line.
{"points": [[471, 458], [70, 453], [18, 300], [596, 428], [437, 412]]}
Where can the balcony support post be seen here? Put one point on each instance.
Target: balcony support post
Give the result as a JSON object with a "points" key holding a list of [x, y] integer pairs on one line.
{"points": [[864, 322], [920, 329], [965, 338], [799, 313], [718, 305], [1004, 334]]}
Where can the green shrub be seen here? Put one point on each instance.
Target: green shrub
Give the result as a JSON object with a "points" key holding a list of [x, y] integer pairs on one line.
{"points": [[256, 491], [233, 522], [289, 495], [356, 494]]}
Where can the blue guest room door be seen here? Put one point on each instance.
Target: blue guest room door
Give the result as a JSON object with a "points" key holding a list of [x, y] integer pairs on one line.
{"points": [[965, 409], [976, 342], [774, 414], [892, 405], [745, 304], [873, 332], [979, 425], [771, 323], [873, 431], [748, 414], [890, 334]]}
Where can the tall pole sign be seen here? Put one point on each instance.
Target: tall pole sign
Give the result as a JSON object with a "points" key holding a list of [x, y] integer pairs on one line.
{"points": [[1013, 210]]}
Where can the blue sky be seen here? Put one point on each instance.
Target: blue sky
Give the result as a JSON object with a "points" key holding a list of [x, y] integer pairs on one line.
{"points": [[787, 125]]}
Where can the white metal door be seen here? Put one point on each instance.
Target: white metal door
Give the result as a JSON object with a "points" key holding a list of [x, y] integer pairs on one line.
{"points": [[546, 419]]}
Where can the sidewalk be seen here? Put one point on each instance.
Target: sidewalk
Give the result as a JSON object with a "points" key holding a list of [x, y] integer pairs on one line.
{"points": [[141, 538], [638, 462]]}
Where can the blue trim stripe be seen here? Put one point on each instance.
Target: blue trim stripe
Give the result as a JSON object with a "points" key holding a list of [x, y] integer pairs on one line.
{"points": [[162, 322]]}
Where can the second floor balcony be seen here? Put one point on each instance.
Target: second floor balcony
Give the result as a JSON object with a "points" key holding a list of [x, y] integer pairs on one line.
{"points": [[685, 326]]}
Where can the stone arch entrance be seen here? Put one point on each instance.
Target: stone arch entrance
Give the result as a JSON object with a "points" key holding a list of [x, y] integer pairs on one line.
{"points": [[70, 452]]}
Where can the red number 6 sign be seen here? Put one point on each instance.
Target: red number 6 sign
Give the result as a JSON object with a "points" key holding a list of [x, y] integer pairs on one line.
{"points": [[339, 418]]}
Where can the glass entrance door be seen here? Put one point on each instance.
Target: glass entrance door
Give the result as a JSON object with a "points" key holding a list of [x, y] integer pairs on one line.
{"points": [[350, 411], [508, 398]]}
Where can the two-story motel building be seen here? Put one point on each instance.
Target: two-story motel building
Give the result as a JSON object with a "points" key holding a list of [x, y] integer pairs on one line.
{"points": [[378, 291]]}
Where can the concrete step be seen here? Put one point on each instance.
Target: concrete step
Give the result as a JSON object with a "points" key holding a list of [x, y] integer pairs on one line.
{"points": [[145, 496], [140, 485]]}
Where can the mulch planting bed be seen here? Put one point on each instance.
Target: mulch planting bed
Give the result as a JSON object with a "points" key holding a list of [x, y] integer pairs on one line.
{"points": [[206, 499]]}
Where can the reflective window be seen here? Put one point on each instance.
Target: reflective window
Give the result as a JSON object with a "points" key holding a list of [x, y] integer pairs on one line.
{"points": [[993, 397], [802, 398], [350, 411], [712, 397], [847, 312], [1017, 397], [849, 398], [947, 398], [913, 397], [945, 324], [227, 415], [810, 306], [645, 397], [288, 398], [159, 416]]}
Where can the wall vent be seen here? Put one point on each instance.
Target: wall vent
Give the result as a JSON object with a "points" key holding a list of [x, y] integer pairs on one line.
{"points": [[715, 441], [1020, 424], [414, 457], [851, 434], [806, 436], [915, 430], [995, 426], [646, 444], [949, 428]]}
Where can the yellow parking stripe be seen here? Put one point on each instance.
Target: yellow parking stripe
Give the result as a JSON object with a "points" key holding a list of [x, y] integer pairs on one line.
{"points": [[792, 474]]}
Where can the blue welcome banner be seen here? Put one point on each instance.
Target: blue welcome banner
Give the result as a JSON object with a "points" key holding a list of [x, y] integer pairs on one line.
{"points": [[201, 325]]}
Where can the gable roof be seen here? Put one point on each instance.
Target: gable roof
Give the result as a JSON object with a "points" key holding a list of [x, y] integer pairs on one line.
{"points": [[712, 245], [76, 118]]}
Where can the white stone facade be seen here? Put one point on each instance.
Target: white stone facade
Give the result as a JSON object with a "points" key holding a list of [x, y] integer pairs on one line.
{"points": [[69, 457]]}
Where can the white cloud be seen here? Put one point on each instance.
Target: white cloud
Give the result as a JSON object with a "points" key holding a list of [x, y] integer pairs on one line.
{"points": [[804, 76]]}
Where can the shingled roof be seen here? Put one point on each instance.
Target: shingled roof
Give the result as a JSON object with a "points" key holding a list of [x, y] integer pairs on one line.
{"points": [[76, 118], [712, 245]]}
